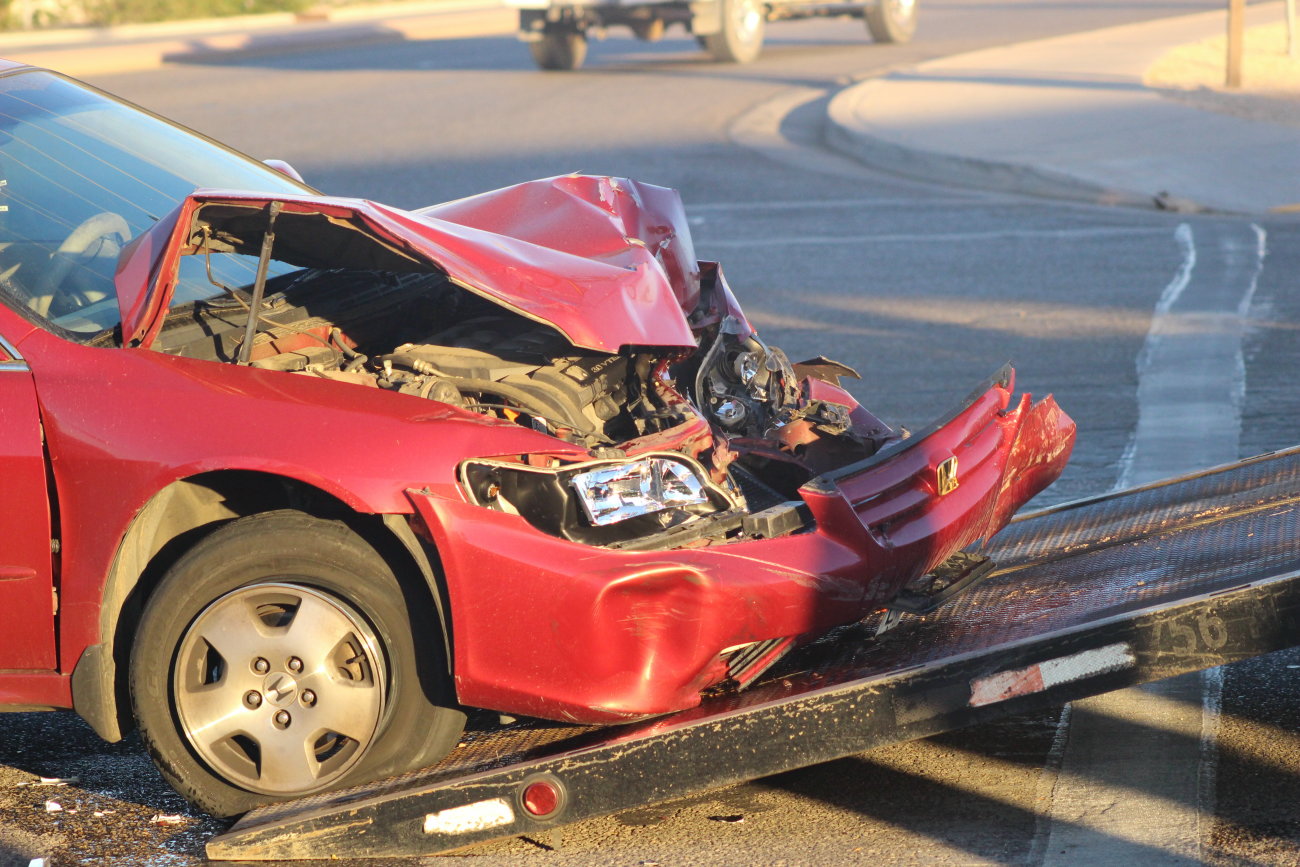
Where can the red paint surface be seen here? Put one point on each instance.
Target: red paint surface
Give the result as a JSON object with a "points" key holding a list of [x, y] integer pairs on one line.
{"points": [[26, 567], [598, 286], [609, 635]]}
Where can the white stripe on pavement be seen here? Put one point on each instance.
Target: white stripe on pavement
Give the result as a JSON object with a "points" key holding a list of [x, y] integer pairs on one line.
{"points": [[1191, 386]]}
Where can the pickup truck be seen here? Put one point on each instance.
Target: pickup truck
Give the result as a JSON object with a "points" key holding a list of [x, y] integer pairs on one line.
{"points": [[730, 30]]}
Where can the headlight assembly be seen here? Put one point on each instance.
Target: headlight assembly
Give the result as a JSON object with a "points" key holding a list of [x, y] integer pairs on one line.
{"points": [[598, 502], [624, 491]]}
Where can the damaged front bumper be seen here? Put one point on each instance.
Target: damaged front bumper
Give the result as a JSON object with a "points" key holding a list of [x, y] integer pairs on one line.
{"points": [[553, 628]]}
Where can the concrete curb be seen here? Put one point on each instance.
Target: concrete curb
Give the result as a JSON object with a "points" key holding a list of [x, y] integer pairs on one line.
{"points": [[844, 135], [1066, 117]]}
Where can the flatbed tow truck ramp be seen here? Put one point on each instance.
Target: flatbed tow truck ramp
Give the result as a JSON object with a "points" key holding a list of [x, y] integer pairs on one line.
{"points": [[1085, 598]]}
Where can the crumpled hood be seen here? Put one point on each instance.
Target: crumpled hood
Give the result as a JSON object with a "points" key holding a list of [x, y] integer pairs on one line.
{"points": [[607, 262]]}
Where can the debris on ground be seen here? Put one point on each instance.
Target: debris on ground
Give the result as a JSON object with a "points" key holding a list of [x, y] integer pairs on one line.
{"points": [[51, 781]]}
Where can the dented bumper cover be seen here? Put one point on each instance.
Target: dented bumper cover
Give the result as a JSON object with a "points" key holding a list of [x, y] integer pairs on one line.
{"points": [[556, 629]]}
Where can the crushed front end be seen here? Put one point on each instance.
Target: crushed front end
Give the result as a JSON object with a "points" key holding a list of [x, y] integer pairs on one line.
{"points": [[757, 506], [654, 501]]}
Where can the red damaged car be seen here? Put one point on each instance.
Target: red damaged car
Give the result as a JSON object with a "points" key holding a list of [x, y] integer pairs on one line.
{"points": [[290, 480]]}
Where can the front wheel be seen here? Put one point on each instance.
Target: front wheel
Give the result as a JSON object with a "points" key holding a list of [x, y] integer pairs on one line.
{"points": [[741, 38], [281, 657], [892, 20], [560, 48]]}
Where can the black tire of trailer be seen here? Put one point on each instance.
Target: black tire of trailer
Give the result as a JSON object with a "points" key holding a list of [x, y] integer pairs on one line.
{"points": [[324, 559], [648, 29], [741, 38], [561, 48], [892, 21]]}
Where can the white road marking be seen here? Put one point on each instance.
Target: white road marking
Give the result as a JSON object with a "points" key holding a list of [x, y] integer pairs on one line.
{"points": [[1207, 796], [1183, 235], [1191, 371], [1046, 786], [1191, 386], [930, 237], [823, 204]]}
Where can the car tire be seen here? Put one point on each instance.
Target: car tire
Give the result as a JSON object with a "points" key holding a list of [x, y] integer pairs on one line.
{"points": [[560, 48], [741, 38], [892, 20], [281, 656]]}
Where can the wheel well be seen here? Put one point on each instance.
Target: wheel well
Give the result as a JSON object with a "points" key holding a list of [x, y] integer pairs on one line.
{"points": [[175, 520]]}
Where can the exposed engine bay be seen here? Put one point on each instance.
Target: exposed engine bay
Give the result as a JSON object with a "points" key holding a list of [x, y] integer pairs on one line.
{"points": [[471, 353], [419, 334], [769, 425]]}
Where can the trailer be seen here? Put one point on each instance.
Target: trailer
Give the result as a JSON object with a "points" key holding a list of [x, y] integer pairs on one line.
{"points": [[731, 31], [1088, 597]]}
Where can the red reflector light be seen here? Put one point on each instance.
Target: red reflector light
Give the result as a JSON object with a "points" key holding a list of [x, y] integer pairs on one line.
{"points": [[541, 798]]}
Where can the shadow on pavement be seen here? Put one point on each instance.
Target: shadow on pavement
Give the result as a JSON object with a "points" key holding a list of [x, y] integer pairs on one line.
{"points": [[1011, 80], [616, 54]]}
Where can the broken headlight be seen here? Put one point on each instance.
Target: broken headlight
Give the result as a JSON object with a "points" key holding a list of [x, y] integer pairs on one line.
{"points": [[598, 502], [624, 491]]}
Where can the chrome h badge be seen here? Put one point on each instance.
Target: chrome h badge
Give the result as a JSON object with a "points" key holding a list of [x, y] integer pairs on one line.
{"points": [[945, 476]]}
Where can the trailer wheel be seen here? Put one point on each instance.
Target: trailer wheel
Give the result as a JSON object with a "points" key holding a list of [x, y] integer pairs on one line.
{"points": [[282, 656], [649, 29], [892, 20], [741, 38], [560, 48]]}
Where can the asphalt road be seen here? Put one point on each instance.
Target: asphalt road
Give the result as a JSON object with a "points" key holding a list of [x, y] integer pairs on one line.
{"points": [[923, 289]]}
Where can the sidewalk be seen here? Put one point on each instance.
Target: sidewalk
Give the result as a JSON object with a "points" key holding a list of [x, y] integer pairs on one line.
{"points": [[1070, 116], [99, 51]]}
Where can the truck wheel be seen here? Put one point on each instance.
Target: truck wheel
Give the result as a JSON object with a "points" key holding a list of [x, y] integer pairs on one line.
{"points": [[281, 656], [561, 48], [649, 30], [892, 20], [741, 38]]}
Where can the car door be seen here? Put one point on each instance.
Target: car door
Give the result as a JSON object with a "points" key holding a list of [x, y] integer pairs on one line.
{"points": [[27, 600]]}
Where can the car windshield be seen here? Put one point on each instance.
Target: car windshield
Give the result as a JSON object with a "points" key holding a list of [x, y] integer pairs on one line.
{"points": [[81, 174]]}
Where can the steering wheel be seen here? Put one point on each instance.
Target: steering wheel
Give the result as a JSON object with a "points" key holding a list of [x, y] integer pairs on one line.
{"points": [[101, 236]]}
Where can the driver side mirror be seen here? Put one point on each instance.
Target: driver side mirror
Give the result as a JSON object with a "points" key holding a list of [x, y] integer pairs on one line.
{"points": [[285, 169]]}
